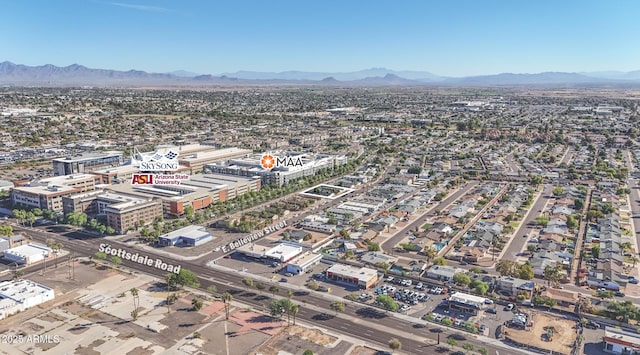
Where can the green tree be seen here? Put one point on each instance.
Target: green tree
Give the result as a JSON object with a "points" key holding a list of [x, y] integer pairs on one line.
{"points": [[387, 302], [542, 220], [483, 351], [115, 260], [6, 230], [171, 280], [578, 203], [480, 287], [196, 304], [468, 346], [274, 289], [373, 246], [506, 267], [307, 352], [338, 306], [553, 273], [395, 344], [536, 180], [557, 191], [595, 251], [187, 278], [439, 261], [260, 286], [452, 342], [525, 272], [313, 285], [571, 222], [461, 279]]}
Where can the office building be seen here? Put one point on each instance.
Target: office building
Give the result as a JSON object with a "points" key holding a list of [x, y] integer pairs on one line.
{"points": [[86, 163]]}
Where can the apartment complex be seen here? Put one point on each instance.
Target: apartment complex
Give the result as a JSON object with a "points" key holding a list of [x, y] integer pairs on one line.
{"points": [[279, 175]]}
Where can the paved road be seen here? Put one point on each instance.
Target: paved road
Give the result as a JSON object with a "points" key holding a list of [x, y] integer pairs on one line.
{"points": [[517, 243], [388, 244], [362, 322]]}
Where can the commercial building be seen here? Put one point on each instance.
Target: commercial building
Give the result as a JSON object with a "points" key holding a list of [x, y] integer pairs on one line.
{"points": [[618, 341], [86, 163], [20, 295], [48, 193], [128, 212], [465, 302], [303, 263], [26, 254], [173, 198], [43, 197], [115, 175], [197, 160], [233, 186], [363, 277], [189, 236], [198, 192], [283, 253], [83, 182]]}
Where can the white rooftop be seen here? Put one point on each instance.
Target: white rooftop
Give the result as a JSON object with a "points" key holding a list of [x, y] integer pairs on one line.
{"points": [[28, 250]]}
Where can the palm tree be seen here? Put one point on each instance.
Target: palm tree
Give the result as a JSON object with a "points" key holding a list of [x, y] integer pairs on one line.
{"points": [[136, 303], [226, 298], [274, 289], [430, 253], [294, 310]]}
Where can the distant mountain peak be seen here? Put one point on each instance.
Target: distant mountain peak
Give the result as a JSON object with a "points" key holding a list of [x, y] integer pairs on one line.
{"points": [[77, 74]]}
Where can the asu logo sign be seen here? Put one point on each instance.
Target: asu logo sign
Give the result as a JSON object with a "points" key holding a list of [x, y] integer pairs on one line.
{"points": [[269, 161], [142, 179]]}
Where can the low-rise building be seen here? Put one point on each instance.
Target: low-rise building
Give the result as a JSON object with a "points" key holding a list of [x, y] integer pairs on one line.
{"points": [[283, 253], [443, 273], [465, 302], [303, 263], [618, 341], [189, 236], [26, 254], [363, 277], [20, 295]]}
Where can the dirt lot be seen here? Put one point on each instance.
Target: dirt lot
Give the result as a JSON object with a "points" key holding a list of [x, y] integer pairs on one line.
{"points": [[563, 333], [296, 339], [92, 315]]}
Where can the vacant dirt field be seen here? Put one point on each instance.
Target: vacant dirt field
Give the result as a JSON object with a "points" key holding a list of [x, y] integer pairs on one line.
{"points": [[563, 333]]}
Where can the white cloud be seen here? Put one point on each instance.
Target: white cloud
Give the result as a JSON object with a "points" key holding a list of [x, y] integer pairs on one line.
{"points": [[139, 7]]}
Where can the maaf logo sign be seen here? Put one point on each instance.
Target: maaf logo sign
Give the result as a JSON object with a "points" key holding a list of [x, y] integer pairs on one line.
{"points": [[269, 161]]}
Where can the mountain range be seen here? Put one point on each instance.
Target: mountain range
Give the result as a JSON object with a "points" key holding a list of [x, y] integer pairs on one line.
{"points": [[73, 75]]}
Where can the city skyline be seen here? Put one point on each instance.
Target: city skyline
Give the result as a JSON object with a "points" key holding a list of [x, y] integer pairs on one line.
{"points": [[458, 38]]}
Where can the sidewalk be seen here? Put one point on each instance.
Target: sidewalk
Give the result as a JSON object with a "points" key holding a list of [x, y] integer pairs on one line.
{"points": [[353, 304]]}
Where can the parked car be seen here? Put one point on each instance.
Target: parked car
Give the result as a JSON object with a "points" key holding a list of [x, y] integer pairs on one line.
{"points": [[619, 294], [288, 274], [491, 310], [509, 307], [488, 301]]}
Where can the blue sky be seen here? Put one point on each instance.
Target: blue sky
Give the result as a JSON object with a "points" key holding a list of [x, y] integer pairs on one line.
{"points": [[452, 38]]}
